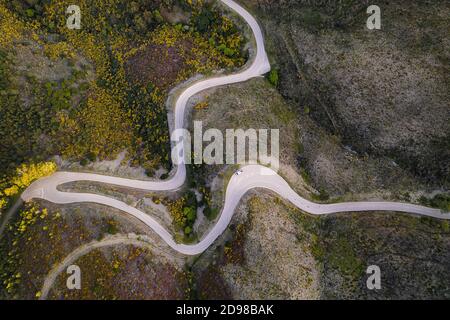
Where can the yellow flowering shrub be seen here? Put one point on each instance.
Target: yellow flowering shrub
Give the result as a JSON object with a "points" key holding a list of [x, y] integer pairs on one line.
{"points": [[28, 216], [176, 210], [22, 178], [112, 33], [102, 138], [201, 105], [56, 50], [3, 203], [11, 191], [26, 174], [10, 27]]}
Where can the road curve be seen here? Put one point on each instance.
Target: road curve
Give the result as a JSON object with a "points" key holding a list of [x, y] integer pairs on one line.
{"points": [[253, 176], [85, 249]]}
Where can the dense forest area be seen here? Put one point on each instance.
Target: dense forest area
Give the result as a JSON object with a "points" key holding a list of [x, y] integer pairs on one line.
{"points": [[92, 93]]}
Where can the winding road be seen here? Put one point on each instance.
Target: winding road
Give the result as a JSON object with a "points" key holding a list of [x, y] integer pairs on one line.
{"points": [[253, 176]]}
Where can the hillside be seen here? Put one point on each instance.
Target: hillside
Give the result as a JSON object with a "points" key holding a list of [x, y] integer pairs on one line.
{"points": [[384, 94], [363, 116]]}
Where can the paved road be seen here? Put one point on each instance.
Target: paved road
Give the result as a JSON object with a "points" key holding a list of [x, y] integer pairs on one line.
{"points": [[253, 176]]}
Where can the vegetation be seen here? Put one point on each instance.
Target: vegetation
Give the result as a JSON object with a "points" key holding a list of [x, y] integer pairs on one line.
{"points": [[273, 77], [110, 278], [234, 250], [37, 238], [70, 117], [10, 277], [322, 196], [332, 84], [197, 177], [338, 253], [33, 122], [74, 93], [23, 177], [10, 27], [184, 213], [440, 201]]}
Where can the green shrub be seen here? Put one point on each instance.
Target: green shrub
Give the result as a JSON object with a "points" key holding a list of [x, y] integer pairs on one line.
{"points": [[273, 77], [210, 213], [29, 13], [440, 201], [322, 196], [190, 213], [91, 156], [187, 230], [228, 52], [204, 20], [158, 17]]}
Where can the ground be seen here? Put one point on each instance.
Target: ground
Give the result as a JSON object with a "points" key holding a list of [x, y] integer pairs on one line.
{"points": [[125, 272], [382, 93], [286, 254], [54, 232], [362, 116]]}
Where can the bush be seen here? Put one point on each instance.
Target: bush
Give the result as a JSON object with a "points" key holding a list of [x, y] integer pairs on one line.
{"points": [[29, 13], [323, 195], [210, 213], [23, 177], [191, 200], [91, 156], [164, 176], [228, 52], [440, 201], [273, 77], [190, 213], [204, 20], [158, 17]]}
